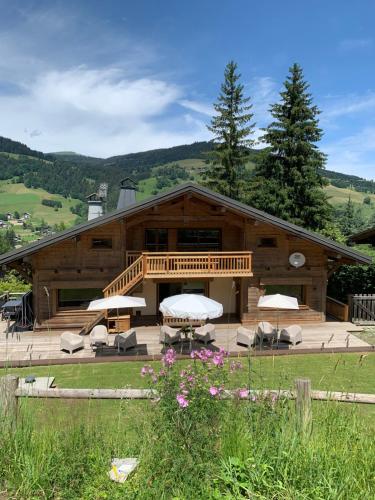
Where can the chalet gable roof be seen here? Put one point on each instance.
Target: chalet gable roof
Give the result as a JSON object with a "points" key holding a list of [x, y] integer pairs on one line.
{"points": [[173, 193], [363, 235]]}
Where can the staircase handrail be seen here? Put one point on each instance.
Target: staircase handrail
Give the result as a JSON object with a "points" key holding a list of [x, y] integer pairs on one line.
{"points": [[127, 271]]}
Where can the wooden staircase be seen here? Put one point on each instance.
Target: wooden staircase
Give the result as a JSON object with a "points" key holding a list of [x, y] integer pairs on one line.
{"points": [[77, 321], [180, 265], [128, 279]]}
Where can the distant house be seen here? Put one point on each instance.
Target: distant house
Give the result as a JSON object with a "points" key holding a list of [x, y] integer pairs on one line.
{"points": [[188, 239], [364, 237], [9, 216], [26, 216]]}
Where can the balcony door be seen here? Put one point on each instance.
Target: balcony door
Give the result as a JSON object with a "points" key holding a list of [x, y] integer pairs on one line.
{"points": [[198, 240], [156, 240]]}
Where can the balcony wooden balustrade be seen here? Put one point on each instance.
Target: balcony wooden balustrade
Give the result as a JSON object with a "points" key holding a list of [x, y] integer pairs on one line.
{"points": [[179, 265]]}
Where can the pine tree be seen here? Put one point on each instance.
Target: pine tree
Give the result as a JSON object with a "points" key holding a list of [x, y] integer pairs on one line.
{"points": [[288, 179], [231, 128], [347, 221]]}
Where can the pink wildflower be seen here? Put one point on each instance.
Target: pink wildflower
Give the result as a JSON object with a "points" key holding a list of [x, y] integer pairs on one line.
{"points": [[235, 365], [243, 393], [182, 401], [218, 360], [146, 370], [169, 358], [214, 391]]}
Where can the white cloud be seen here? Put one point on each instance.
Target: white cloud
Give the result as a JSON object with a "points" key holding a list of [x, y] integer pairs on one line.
{"points": [[98, 112], [347, 105], [353, 154], [198, 107]]}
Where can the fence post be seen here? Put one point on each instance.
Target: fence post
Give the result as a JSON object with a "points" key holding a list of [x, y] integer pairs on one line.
{"points": [[8, 399], [303, 406]]}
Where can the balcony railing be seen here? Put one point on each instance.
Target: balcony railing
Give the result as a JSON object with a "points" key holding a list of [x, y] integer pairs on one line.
{"points": [[178, 265], [196, 264]]}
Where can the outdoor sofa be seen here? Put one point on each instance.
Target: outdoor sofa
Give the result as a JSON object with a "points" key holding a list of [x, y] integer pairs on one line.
{"points": [[292, 334], [126, 340], [70, 342], [246, 337], [169, 335], [205, 333]]}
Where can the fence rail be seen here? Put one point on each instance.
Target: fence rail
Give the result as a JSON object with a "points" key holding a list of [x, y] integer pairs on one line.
{"points": [[343, 397], [10, 392]]}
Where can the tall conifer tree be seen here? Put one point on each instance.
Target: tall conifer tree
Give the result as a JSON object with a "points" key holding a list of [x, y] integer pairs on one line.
{"points": [[288, 179], [231, 128]]}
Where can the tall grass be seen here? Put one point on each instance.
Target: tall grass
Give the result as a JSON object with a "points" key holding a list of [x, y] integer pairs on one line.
{"points": [[247, 449]]}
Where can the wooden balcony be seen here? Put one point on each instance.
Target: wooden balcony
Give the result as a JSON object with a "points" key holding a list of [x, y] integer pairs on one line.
{"points": [[196, 264], [176, 265]]}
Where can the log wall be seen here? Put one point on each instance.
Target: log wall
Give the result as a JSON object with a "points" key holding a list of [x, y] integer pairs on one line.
{"points": [[75, 264]]}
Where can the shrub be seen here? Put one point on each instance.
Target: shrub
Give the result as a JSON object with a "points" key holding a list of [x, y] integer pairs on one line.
{"points": [[52, 203]]}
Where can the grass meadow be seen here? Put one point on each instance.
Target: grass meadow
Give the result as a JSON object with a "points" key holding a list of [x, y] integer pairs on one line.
{"points": [[17, 197], [61, 449]]}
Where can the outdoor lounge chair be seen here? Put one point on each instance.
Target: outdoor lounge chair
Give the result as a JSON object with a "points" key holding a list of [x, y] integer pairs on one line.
{"points": [[266, 331], [246, 337], [126, 340], [169, 335], [70, 342], [205, 333], [292, 334], [99, 334]]}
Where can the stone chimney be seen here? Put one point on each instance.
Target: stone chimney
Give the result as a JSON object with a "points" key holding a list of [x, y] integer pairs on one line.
{"points": [[95, 206], [127, 193]]}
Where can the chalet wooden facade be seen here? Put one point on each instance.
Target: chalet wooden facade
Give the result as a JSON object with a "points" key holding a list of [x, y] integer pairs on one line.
{"points": [[186, 240]]}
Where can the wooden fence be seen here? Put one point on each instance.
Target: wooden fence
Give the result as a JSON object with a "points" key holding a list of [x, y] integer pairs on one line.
{"points": [[362, 309], [11, 392]]}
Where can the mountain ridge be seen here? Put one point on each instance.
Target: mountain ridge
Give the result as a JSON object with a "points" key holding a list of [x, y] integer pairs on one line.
{"points": [[74, 175]]}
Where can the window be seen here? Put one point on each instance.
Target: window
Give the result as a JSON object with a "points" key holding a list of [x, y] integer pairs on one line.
{"points": [[297, 291], [156, 240], [267, 242], [101, 243], [198, 240], [78, 297]]}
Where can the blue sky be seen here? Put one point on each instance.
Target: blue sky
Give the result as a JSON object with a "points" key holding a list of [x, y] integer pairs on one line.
{"points": [[113, 77]]}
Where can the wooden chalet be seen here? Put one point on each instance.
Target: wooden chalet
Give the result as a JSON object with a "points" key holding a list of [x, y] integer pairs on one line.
{"points": [[189, 239]]}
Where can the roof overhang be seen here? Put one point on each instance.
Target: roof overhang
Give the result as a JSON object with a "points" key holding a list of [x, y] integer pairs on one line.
{"points": [[330, 245]]}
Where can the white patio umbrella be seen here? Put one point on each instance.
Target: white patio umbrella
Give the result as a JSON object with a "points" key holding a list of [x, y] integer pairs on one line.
{"points": [[190, 306], [116, 302], [278, 301]]}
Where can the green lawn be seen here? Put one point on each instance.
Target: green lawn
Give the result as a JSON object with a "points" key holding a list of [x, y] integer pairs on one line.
{"points": [[18, 197], [341, 195], [339, 372]]}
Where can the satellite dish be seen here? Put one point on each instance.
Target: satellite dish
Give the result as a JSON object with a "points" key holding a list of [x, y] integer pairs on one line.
{"points": [[297, 259]]}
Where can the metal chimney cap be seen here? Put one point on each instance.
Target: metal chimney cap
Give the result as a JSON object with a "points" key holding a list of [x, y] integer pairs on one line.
{"points": [[128, 183]]}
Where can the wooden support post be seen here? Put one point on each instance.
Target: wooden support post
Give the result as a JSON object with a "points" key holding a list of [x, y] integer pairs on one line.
{"points": [[8, 399], [303, 406]]}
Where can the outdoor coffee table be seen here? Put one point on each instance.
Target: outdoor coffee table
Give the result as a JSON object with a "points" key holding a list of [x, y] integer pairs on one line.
{"points": [[99, 344]]}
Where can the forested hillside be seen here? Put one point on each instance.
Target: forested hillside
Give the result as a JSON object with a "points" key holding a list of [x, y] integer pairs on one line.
{"points": [[76, 176]]}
